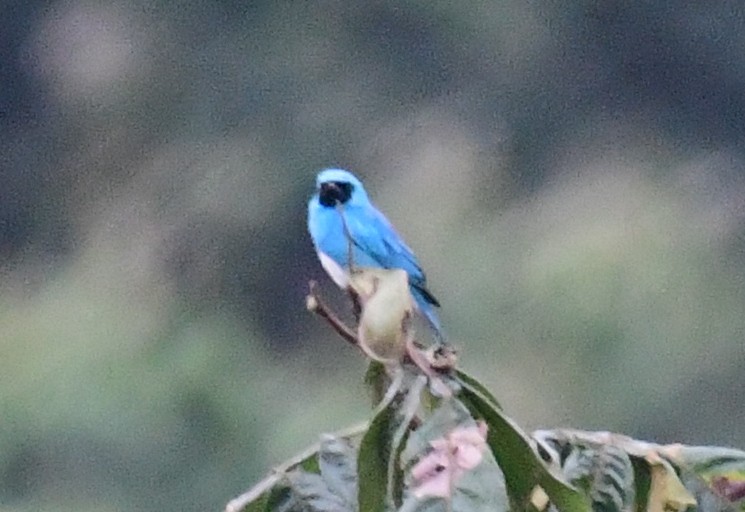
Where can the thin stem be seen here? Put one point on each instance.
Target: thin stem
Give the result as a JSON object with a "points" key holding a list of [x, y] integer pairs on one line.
{"points": [[241, 502], [318, 306]]}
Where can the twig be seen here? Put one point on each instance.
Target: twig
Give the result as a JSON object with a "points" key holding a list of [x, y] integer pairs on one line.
{"points": [[316, 305], [241, 502], [354, 297]]}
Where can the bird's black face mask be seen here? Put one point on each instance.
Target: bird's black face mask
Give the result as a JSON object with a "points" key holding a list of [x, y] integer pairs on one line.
{"points": [[333, 192]]}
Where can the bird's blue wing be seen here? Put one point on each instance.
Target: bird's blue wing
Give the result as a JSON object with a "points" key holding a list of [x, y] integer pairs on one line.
{"points": [[374, 235], [378, 238]]}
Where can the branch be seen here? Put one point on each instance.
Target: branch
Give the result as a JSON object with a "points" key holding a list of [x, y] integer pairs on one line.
{"points": [[241, 502], [316, 305]]}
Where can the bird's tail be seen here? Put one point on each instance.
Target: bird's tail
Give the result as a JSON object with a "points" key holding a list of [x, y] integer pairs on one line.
{"points": [[427, 309]]}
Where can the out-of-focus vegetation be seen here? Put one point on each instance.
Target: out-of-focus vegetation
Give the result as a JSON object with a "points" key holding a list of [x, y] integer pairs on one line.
{"points": [[570, 174]]}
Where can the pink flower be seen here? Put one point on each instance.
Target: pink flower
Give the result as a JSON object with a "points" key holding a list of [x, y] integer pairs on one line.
{"points": [[460, 450]]}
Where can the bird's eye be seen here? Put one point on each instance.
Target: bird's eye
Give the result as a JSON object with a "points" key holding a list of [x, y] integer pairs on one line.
{"points": [[335, 192], [346, 189]]}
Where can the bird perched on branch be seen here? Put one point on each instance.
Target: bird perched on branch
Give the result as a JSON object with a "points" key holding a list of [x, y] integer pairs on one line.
{"points": [[345, 225]]}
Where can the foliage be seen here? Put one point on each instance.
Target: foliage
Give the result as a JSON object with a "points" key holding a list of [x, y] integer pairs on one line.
{"points": [[439, 441]]}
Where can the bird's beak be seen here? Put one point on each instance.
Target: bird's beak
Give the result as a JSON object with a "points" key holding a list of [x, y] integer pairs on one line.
{"points": [[330, 188], [332, 193]]}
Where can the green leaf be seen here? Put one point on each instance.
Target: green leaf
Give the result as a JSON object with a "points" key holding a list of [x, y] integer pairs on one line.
{"points": [[310, 493], [400, 438], [427, 505], [707, 459], [377, 381], [565, 497], [722, 469], [334, 489], [338, 463], [270, 493], [373, 457], [310, 464], [261, 503], [475, 386], [277, 499], [274, 491], [653, 475], [706, 499], [518, 460], [642, 483], [605, 472], [667, 492]]}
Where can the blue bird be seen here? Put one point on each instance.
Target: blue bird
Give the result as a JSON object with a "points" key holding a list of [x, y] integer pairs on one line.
{"points": [[374, 241]]}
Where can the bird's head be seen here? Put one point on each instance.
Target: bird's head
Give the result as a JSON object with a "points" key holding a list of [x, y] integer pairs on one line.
{"points": [[337, 186]]}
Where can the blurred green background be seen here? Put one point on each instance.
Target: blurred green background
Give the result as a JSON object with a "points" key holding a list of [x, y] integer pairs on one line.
{"points": [[569, 173]]}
